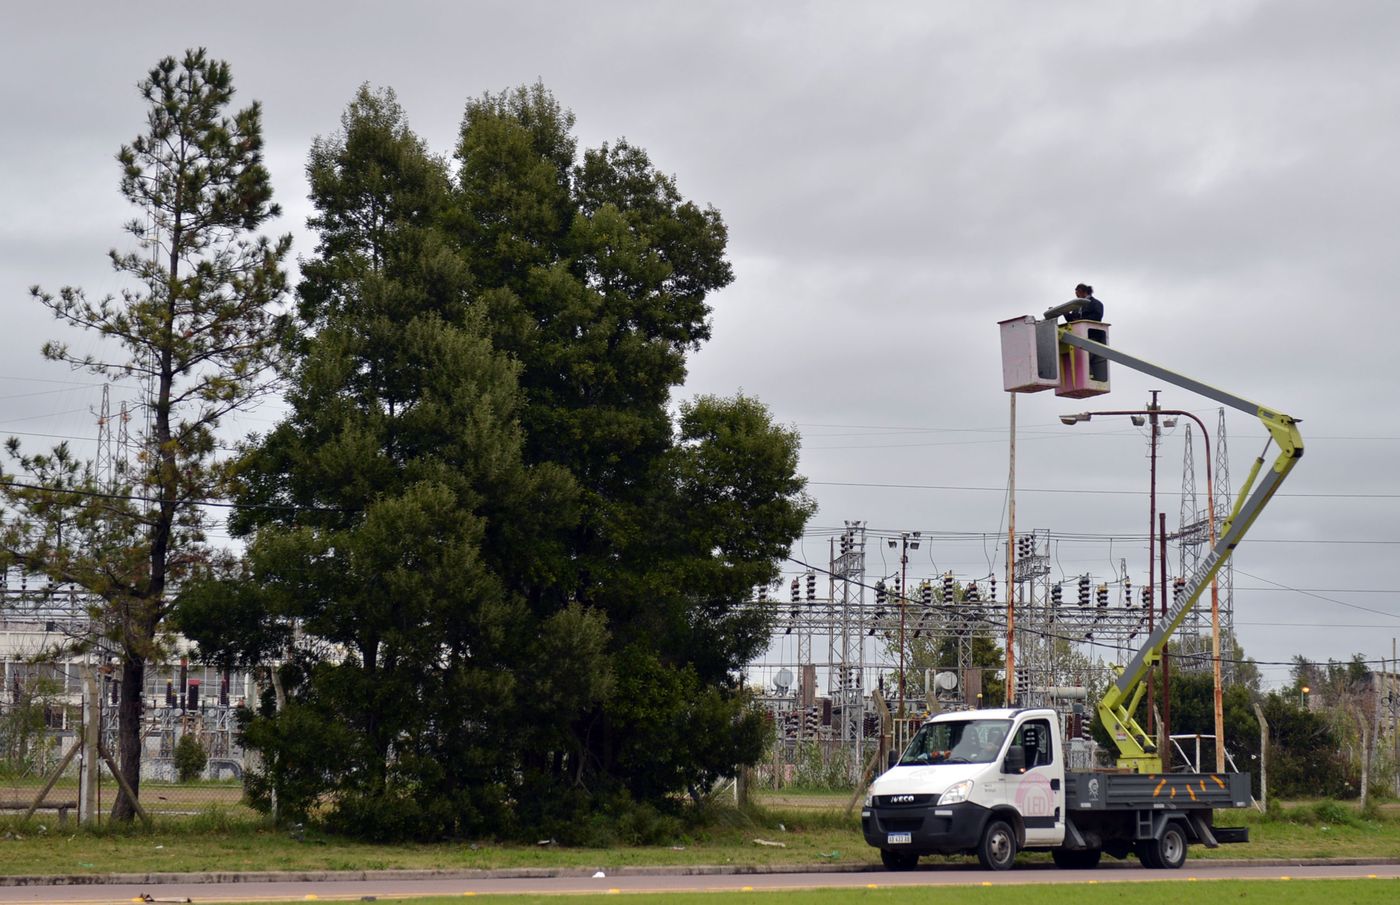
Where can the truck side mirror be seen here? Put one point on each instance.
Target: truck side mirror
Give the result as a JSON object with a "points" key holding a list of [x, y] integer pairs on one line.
{"points": [[1015, 760]]}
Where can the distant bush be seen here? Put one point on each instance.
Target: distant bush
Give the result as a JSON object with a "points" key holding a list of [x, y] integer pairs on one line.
{"points": [[190, 758]]}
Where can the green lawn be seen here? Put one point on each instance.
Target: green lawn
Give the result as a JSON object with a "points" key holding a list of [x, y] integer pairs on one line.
{"points": [[219, 841], [1236, 892]]}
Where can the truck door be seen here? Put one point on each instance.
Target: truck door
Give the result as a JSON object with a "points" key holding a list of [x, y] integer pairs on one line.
{"points": [[1038, 793]]}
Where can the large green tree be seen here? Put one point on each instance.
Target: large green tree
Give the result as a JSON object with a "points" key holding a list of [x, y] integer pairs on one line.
{"points": [[509, 577], [595, 273], [199, 329], [386, 513]]}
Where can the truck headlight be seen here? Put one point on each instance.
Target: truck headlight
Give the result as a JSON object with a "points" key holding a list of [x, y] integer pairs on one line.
{"points": [[957, 792], [869, 798]]}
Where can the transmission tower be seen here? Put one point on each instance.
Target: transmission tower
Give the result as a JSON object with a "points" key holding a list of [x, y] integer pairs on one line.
{"points": [[1226, 578], [846, 650]]}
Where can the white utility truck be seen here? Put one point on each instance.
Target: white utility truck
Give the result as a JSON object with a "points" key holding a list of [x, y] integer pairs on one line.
{"points": [[995, 782]]}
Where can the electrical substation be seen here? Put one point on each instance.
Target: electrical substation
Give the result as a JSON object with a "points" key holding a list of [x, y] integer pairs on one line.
{"points": [[830, 678], [42, 623]]}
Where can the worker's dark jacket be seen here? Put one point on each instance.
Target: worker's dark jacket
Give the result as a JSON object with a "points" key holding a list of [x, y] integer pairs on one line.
{"points": [[1090, 310]]}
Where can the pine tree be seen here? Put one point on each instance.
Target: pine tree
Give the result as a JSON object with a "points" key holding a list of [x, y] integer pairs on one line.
{"points": [[385, 512], [199, 329]]}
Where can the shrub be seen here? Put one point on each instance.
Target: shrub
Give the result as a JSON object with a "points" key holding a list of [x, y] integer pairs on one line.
{"points": [[190, 758]]}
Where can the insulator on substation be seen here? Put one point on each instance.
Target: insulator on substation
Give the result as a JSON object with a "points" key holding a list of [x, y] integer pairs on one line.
{"points": [[926, 594], [763, 593], [1101, 596], [1084, 590], [1023, 681], [811, 585], [948, 587], [993, 594], [1127, 592], [881, 595], [898, 586], [192, 695], [1025, 546], [796, 589], [1178, 589], [1057, 594], [169, 694], [972, 594], [1147, 595]]}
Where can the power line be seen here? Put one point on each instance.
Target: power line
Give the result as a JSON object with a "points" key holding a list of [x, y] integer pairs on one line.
{"points": [[1368, 495]]}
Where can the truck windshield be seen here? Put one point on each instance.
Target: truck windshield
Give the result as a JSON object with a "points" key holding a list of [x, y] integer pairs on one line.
{"points": [[956, 742]]}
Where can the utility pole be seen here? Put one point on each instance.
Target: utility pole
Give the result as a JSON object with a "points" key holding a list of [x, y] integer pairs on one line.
{"points": [[1166, 656], [1011, 568], [1152, 408], [908, 540]]}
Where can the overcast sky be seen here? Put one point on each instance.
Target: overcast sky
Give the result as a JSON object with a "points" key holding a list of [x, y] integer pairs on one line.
{"points": [[896, 179]]}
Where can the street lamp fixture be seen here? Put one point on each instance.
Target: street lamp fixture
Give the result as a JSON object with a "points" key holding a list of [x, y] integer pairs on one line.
{"points": [[1303, 695]]}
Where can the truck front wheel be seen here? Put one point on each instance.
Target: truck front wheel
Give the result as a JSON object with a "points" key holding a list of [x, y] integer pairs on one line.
{"points": [[998, 848], [1166, 851]]}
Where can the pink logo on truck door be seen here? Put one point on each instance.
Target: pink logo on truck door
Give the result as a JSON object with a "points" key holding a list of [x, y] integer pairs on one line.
{"points": [[1034, 797]]}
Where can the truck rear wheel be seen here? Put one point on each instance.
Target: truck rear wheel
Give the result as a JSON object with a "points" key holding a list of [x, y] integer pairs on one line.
{"points": [[998, 848], [898, 860], [1076, 859], [1167, 851]]}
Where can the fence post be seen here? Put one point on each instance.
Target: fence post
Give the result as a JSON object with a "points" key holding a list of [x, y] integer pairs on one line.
{"points": [[1263, 758], [91, 731]]}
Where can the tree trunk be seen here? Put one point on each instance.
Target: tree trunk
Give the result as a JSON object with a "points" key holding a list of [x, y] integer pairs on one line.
{"points": [[129, 734]]}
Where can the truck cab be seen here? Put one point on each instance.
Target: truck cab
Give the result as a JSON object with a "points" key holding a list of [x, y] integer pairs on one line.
{"points": [[984, 781]]}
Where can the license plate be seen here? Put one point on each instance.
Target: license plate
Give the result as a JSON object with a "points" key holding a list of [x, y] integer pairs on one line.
{"points": [[899, 838]]}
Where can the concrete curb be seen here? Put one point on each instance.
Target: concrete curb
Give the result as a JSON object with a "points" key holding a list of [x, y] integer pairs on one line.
{"points": [[319, 876]]}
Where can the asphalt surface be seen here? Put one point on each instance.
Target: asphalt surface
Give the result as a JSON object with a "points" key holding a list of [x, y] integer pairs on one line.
{"points": [[379, 885]]}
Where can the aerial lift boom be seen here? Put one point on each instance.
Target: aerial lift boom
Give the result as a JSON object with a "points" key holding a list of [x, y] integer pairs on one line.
{"points": [[1136, 749]]}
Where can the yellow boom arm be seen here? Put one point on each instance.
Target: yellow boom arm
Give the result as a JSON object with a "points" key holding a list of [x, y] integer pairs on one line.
{"points": [[1136, 749]]}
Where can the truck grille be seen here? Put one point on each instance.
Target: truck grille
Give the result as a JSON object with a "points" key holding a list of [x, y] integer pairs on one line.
{"points": [[902, 824], [905, 801]]}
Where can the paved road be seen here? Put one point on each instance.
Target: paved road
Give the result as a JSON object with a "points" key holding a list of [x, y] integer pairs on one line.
{"points": [[357, 890]]}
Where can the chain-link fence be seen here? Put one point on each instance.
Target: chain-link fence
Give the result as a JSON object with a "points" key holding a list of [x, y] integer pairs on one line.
{"points": [[191, 761]]}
